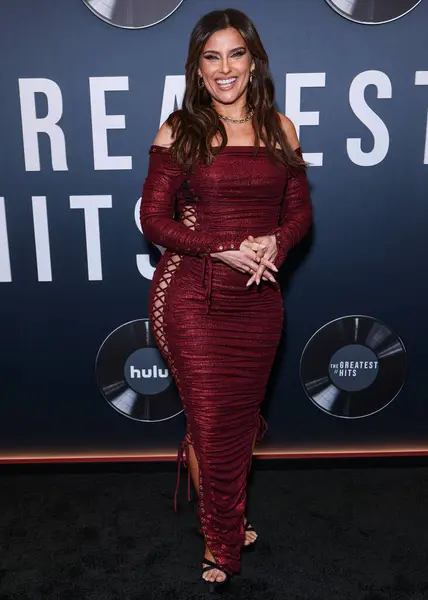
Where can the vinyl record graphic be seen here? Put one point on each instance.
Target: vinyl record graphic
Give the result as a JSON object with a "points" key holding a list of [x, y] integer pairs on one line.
{"points": [[133, 377], [353, 366], [133, 14], [373, 12]]}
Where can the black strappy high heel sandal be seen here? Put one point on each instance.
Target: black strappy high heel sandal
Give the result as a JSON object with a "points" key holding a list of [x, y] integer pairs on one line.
{"points": [[215, 587]]}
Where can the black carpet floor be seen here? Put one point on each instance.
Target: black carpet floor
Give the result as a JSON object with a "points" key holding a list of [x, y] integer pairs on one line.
{"points": [[325, 533]]}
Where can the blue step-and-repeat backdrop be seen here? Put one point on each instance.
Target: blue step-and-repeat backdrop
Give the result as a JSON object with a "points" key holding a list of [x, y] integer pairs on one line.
{"points": [[84, 87]]}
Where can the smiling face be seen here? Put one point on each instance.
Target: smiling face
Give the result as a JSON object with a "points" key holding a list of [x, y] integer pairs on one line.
{"points": [[225, 65]]}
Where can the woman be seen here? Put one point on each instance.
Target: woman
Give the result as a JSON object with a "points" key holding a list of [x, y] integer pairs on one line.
{"points": [[232, 168]]}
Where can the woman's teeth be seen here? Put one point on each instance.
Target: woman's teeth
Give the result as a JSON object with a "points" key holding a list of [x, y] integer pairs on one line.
{"points": [[226, 82]]}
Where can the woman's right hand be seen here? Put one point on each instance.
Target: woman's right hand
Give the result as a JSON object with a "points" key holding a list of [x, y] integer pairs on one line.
{"points": [[246, 259]]}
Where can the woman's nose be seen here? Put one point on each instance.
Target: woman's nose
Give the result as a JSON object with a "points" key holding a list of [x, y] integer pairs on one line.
{"points": [[225, 66]]}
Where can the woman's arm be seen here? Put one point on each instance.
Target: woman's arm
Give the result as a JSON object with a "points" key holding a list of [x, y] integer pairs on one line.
{"points": [[157, 206], [296, 212]]}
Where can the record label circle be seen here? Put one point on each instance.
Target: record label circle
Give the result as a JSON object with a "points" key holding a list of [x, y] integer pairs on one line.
{"points": [[133, 14], [146, 373], [373, 12], [353, 367], [133, 377]]}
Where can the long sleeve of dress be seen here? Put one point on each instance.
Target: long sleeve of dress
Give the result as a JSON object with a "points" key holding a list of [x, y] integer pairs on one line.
{"points": [[163, 180], [296, 213]]}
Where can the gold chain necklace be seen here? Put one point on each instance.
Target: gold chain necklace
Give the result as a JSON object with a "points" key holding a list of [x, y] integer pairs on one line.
{"points": [[244, 120]]}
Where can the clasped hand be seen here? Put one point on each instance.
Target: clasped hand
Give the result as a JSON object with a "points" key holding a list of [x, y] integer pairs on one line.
{"points": [[255, 256]]}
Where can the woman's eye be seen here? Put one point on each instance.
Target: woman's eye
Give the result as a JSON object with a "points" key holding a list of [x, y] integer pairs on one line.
{"points": [[237, 54]]}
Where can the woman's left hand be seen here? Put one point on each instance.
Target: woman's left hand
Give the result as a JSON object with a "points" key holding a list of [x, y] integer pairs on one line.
{"points": [[266, 261]]}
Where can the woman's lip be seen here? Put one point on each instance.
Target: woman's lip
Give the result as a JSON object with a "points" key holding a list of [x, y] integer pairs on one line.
{"points": [[227, 86]]}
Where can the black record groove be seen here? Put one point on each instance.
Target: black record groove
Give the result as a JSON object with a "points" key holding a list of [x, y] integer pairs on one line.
{"points": [[133, 377], [373, 12], [353, 366], [133, 14]]}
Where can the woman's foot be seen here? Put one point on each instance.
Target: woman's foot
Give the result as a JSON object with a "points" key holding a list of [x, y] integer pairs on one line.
{"points": [[250, 534], [213, 575]]}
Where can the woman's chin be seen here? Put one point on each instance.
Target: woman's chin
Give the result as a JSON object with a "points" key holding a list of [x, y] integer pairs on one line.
{"points": [[226, 98]]}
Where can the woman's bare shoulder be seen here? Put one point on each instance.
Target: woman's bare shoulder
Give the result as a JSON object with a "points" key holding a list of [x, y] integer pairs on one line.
{"points": [[289, 130], [164, 136]]}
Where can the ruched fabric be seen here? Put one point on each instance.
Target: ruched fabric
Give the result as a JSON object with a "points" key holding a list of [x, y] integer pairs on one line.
{"points": [[219, 337]]}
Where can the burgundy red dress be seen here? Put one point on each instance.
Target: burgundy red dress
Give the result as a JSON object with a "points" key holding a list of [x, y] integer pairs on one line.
{"points": [[219, 337]]}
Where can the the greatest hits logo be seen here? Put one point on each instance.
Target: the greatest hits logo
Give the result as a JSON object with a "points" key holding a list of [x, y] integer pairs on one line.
{"points": [[133, 376], [353, 366]]}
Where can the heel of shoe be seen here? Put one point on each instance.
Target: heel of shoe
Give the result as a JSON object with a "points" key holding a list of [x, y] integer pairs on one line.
{"points": [[218, 587], [215, 587]]}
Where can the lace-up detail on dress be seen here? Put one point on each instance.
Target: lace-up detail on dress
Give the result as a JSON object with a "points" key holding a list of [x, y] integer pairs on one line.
{"points": [[188, 217], [183, 457], [158, 303]]}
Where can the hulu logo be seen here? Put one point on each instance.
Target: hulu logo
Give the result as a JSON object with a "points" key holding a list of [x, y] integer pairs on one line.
{"points": [[148, 373]]}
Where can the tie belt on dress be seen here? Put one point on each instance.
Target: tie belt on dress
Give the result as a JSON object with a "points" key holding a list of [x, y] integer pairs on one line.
{"points": [[207, 268]]}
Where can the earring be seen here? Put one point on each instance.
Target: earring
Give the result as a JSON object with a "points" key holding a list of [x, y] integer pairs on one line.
{"points": [[201, 83], [251, 76]]}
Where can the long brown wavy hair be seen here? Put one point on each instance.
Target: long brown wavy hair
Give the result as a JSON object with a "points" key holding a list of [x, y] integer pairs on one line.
{"points": [[196, 124]]}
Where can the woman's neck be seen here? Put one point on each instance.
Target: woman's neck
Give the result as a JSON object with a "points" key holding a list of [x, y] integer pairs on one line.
{"points": [[237, 110]]}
